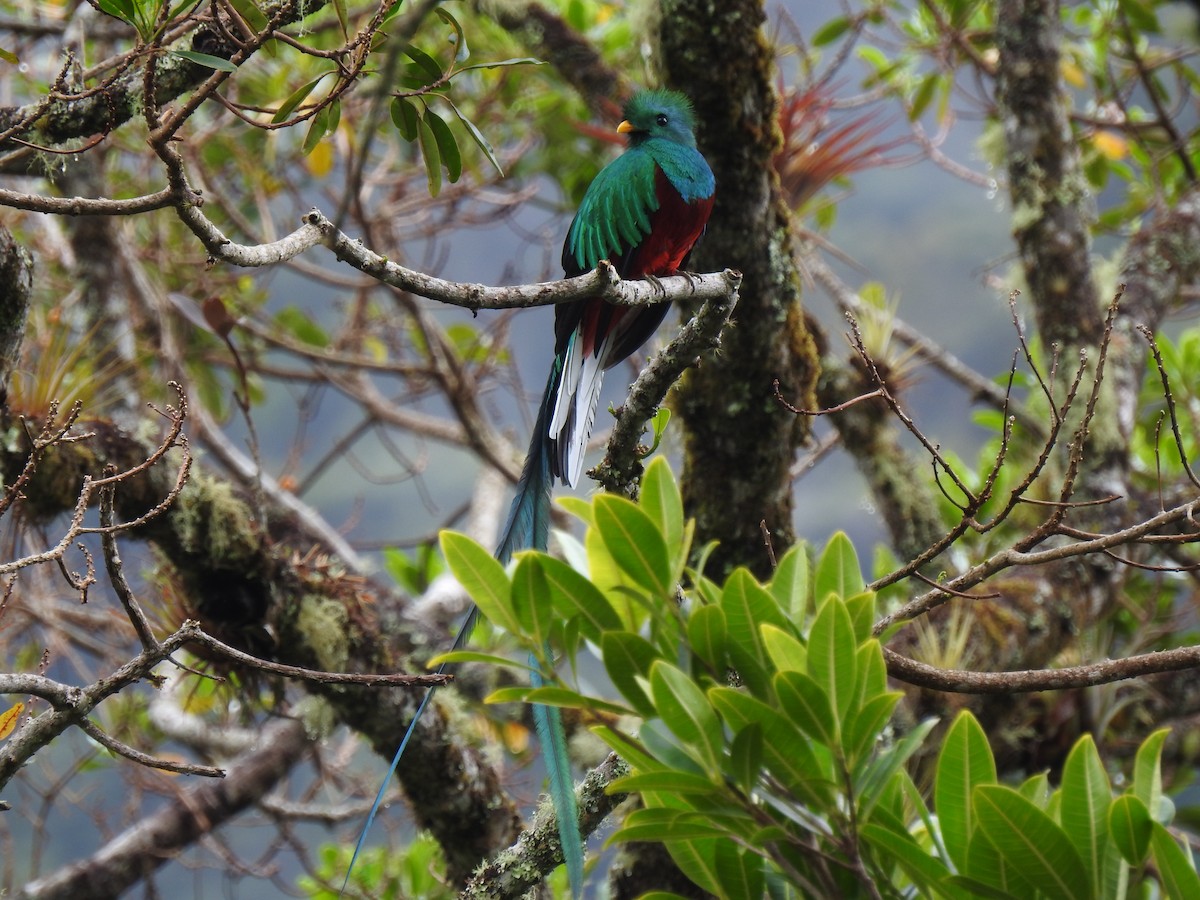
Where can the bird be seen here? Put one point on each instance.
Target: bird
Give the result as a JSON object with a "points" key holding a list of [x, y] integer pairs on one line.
{"points": [[643, 212]]}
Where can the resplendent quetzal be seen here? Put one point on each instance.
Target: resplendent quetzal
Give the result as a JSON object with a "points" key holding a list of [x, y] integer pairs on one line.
{"points": [[642, 213]]}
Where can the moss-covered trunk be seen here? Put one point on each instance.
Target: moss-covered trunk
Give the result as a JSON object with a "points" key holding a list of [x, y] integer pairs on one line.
{"points": [[739, 442]]}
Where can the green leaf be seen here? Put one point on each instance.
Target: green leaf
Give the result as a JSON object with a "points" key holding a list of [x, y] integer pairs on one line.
{"points": [[631, 752], [838, 571], [9, 57], [687, 712], [965, 761], [1086, 797], [635, 543], [924, 95], [426, 63], [872, 672], [577, 598], [740, 872], [429, 151], [697, 860], [658, 425], [706, 635], [579, 508], [405, 118], [671, 781], [503, 63], [1036, 789], [807, 705], [925, 871], [1031, 843], [831, 31], [119, 9], [318, 127], [661, 501], [668, 749], [1129, 824], [1147, 774], [339, 7], [977, 888], [482, 143], [302, 326], [569, 699], [461, 50], [249, 11], [1176, 869], [861, 608], [786, 751], [483, 578], [862, 731], [746, 757], [447, 146], [475, 656], [666, 826], [530, 600], [833, 655], [1141, 16], [205, 59], [747, 606], [785, 651], [626, 656], [986, 865], [789, 585], [884, 779]]}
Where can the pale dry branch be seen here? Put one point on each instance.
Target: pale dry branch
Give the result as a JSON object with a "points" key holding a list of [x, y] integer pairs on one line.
{"points": [[1111, 670]]}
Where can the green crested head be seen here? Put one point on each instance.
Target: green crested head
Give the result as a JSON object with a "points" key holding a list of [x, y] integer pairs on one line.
{"points": [[659, 114]]}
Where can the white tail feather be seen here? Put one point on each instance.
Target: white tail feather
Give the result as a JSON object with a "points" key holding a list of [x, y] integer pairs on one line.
{"points": [[567, 386], [587, 398], [575, 405]]}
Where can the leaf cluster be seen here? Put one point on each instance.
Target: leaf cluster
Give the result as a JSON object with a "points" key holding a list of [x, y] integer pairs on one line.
{"points": [[756, 719]]}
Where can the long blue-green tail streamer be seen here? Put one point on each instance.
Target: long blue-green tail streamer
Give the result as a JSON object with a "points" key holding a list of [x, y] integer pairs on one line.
{"points": [[527, 527], [553, 738]]}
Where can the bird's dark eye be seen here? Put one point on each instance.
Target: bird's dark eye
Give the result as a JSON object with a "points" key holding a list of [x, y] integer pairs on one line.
{"points": [[662, 120]]}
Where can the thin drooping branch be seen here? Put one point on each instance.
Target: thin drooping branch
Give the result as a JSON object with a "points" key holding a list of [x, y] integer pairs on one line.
{"points": [[1010, 557], [929, 351]]}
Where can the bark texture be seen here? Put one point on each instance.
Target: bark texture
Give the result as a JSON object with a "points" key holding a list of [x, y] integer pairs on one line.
{"points": [[739, 442]]}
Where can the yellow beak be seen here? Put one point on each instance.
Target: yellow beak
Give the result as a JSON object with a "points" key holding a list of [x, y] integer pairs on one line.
{"points": [[625, 127]]}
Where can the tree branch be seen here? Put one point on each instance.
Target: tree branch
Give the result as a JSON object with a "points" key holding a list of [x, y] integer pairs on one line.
{"points": [[1110, 670], [137, 852], [621, 468]]}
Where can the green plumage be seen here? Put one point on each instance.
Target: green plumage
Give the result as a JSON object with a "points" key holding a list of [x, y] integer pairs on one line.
{"points": [[615, 214]]}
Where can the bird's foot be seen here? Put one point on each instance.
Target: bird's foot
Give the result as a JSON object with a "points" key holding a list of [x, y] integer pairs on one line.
{"points": [[656, 282], [692, 279]]}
